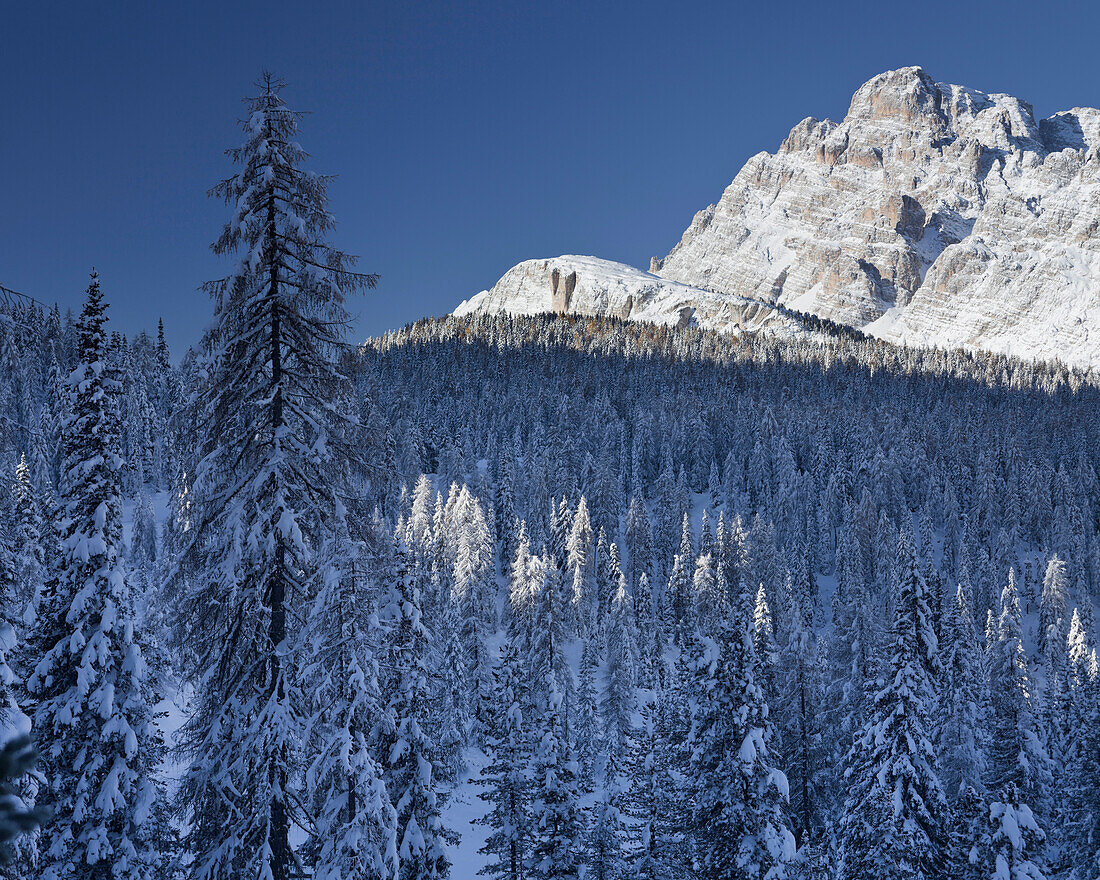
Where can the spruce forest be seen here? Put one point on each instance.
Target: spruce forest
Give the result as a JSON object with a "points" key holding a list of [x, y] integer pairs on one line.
{"points": [[532, 598]]}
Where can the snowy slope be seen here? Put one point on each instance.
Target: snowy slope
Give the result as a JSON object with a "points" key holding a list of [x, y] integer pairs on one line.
{"points": [[591, 286]]}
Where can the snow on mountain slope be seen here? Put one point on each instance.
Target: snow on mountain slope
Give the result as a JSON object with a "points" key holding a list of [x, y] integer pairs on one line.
{"points": [[933, 214], [591, 286], [951, 212]]}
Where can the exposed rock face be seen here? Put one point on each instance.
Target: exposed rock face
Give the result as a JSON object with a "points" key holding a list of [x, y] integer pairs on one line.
{"points": [[590, 286], [932, 215]]}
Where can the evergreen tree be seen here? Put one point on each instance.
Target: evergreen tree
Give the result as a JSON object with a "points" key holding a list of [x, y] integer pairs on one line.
{"points": [[961, 725], [738, 820], [17, 758], [451, 717], [354, 823], [607, 832], [588, 720], [650, 801], [10, 626], [617, 706], [579, 565], [28, 548], [92, 690], [639, 544], [895, 813], [547, 647], [1052, 607], [764, 647], [556, 838], [521, 587], [507, 788], [677, 605], [1019, 770], [403, 748], [705, 592], [799, 725]]}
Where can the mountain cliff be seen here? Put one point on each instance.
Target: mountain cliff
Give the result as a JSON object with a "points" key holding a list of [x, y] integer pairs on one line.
{"points": [[933, 214]]}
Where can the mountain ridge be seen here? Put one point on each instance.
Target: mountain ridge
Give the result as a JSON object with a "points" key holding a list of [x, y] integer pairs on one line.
{"points": [[931, 215]]}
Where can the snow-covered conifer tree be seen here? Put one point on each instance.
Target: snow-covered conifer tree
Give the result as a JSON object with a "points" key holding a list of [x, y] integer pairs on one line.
{"points": [[677, 606], [738, 815], [556, 832], [1081, 812], [704, 587], [354, 822], [587, 721], [617, 705], [607, 830], [1052, 607], [639, 544], [404, 751], [521, 599], [797, 704], [547, 647], [10, 626], [579, 566], [451, 699], [17, 758], [650, 800], [610, 579], [763, 636], [961, 737], [274, 438], [507, 788], [895, 814], [1010, 846], [29, 556], [420, 515], [92, 691], [474, 593]]}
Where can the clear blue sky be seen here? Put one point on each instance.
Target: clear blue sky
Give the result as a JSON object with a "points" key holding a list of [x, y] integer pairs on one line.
{"points": [[466, 136]]}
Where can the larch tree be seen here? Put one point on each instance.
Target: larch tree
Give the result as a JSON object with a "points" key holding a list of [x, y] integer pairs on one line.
{"points": [[274, 441]]}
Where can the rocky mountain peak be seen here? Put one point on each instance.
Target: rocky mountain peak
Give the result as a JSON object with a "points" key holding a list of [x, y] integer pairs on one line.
{"points": [[907, 95], [932, 214]]}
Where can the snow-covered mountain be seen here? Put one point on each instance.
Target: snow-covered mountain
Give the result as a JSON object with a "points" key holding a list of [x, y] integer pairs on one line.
{"points": [[933, 214], [591, 286]]}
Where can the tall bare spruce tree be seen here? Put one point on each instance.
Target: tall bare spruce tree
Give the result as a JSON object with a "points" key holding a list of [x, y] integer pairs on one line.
{"points": [[272, 459]]}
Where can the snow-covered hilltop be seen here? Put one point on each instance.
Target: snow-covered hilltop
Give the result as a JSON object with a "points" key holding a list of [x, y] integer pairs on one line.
{"points": [[590, 286], [932, 215]]}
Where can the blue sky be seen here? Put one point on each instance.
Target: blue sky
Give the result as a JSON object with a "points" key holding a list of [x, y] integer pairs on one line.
{"points": [[466, 136]]}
